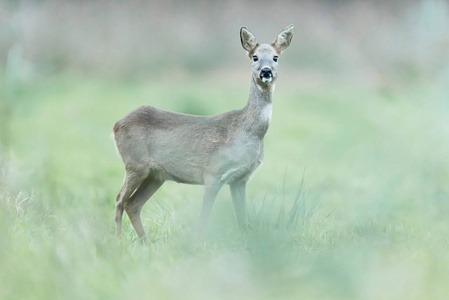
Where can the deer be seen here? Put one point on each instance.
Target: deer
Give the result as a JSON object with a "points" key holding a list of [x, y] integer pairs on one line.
{"points": [[157, 146]]}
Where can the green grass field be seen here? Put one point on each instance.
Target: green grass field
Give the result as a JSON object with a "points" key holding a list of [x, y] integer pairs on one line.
{"points": [[351, 202]]}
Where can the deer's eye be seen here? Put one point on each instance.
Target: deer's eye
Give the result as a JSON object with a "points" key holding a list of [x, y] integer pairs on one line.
{"points": [[255, 58], [275, 58]]}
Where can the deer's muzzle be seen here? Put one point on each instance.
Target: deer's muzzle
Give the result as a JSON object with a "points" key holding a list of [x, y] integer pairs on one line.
{"points": [[266, 75]]}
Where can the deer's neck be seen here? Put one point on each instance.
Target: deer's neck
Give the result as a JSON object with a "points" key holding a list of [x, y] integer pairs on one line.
{"points": [[257, 112]]}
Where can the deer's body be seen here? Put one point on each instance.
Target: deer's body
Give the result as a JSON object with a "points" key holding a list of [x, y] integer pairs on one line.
{"points": [[188, 149], [158, 145]]}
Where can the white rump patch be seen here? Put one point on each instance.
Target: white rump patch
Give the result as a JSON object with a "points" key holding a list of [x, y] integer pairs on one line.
{"points": [[115, 142]]}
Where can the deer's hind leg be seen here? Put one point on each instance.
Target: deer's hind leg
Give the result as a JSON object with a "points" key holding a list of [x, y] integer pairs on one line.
{"points": [[134, 204], [131, 182]]}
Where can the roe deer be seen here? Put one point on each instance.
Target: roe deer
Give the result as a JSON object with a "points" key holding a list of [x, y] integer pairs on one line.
{"points": [[158, 145]]}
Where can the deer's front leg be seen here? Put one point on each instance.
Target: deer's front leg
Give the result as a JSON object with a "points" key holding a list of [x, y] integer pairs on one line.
{"points": [[211, 189], [238, 191]]}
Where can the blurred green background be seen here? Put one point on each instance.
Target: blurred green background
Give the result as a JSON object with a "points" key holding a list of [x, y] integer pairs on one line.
{"points": [[351, 202]]}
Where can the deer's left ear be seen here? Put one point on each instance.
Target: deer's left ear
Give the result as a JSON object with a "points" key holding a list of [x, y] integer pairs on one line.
{"points": [[284, 38]]}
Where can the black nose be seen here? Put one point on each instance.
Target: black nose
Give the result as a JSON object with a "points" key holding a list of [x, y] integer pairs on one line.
{"points": [[265, 72]]}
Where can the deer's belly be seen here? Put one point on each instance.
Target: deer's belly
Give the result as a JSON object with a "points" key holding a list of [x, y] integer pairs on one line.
{"points": [[184, 172]]}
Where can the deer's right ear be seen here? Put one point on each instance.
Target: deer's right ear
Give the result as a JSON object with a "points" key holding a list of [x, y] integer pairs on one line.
{"points": [[248, 39]]}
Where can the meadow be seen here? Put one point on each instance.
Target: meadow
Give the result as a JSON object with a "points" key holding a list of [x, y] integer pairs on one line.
{"points": [[351, 202]]}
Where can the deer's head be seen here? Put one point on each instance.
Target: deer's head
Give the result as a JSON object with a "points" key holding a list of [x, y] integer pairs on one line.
{"points": [[265, 56]]}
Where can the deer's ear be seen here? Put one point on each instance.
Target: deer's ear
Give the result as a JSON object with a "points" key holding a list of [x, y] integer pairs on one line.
{"points": [[248, 39], [284, 38]]}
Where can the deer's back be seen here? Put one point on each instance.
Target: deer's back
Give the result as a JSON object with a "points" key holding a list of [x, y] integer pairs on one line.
{"points": [[148, 121]]}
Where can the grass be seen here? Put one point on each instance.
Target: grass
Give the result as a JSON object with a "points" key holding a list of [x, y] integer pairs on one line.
{"points": [[351, 201]]}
